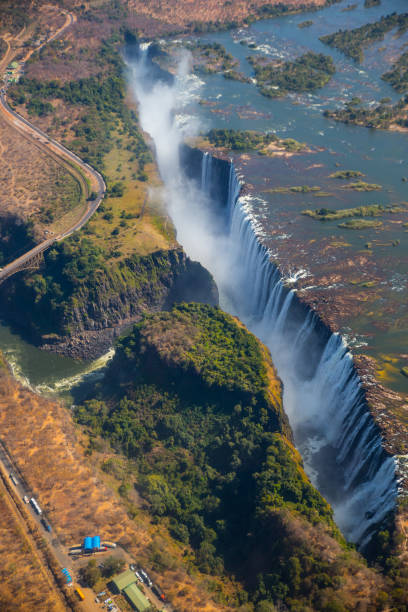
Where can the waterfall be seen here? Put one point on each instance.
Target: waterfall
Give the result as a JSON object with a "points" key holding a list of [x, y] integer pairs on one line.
{"points": [[327, 410], [339, 441], [206, 173]]}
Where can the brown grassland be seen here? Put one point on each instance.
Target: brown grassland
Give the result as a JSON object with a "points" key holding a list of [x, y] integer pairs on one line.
{"points": [[25, 584], [79, 499], [31, 184], [180, 14]]}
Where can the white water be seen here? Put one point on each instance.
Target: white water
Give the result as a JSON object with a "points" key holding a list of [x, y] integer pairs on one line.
{"points": [[339, 442]]}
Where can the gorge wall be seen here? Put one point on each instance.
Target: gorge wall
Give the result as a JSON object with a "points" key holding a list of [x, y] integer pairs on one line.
{"points": [[80, 314], [326, 403]]}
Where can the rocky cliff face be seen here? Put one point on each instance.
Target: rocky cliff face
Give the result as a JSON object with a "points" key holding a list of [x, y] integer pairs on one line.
{"points": [[96, 310]]}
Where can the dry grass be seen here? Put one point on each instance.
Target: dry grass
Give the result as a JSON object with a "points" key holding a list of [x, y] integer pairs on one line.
{"points": [[43, 442], [31, 183], [24, 583], [180, 13]]}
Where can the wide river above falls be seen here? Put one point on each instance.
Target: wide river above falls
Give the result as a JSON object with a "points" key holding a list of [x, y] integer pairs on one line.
{"points": [[380, 155]]}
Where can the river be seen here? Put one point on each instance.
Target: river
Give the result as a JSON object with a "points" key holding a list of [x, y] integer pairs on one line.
{"points": [[334, 431]]}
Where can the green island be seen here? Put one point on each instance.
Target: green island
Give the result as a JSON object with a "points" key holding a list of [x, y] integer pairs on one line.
{"points": [[212, 58], [193, 401], [251, 140], [308, 72], [346, 174], [372, 210], [352, 42], [370, 3], [397, 77], [363, 186], [305, 24], [383, 116], [359, 224], [294, 189]]}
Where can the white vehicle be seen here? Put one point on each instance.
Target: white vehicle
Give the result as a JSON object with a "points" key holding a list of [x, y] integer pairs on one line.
{"points": [[138, 576], [146, 578], [26, 500], [34, 504]]}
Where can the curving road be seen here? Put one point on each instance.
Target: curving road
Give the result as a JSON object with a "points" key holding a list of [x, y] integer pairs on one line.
{"points": [[53, 148]]}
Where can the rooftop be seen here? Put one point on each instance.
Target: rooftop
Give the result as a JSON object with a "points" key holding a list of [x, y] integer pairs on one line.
{"points": [[123, 580], [136, 598]]}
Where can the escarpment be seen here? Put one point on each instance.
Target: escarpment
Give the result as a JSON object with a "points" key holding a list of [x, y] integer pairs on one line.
{"points": [[193, 400], [79, 303]]}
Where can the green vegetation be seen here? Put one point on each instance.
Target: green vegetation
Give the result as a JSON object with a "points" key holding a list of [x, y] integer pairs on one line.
{"points": [[192, 399], [240, 140], [15, 238], [211, 58], [77, 273], [398, 76], [250, 140], [268, 10], [346, 174], [382, 116], [363, 186], [102, 96], [14, 16], [294, 189], [291, 145], [306, 73], [305, 24], [359, 224], [372, 210], [352, 42]]}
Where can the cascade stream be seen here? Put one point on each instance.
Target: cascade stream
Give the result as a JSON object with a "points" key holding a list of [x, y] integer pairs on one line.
{"points": [[339, 441]]}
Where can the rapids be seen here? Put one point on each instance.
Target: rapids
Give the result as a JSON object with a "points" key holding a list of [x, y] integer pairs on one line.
{"points": [[333, 428]]}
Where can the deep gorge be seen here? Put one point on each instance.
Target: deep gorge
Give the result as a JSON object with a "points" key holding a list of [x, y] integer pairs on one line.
{"points": [[340, 443]]}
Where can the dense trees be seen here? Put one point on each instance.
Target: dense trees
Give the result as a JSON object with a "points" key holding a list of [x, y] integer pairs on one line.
{"points": [[306, 73], [216, 468], [239, 140], [381, 116], [352, 42], [397, 77]]}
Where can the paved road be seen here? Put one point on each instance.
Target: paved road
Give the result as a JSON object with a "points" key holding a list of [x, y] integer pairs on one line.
{"points": [[50, 145]]}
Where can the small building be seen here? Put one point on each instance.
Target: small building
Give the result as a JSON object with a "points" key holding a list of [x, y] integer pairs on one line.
{"points": [[96, 542], [121, 581], [126, 583], [136, 598]]}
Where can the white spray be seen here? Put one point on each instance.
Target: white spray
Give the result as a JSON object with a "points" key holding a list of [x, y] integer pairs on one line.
{"points": [[331, 423]]}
